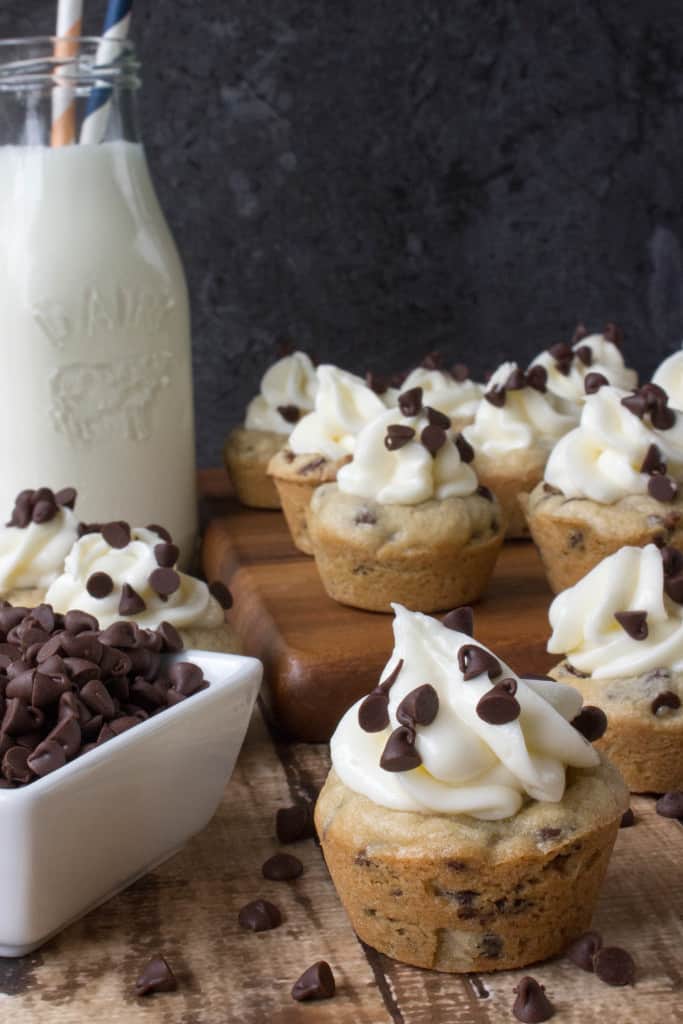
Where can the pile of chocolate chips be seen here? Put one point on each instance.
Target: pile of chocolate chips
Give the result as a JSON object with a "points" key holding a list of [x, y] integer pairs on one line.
{"points": [[66, 686]]}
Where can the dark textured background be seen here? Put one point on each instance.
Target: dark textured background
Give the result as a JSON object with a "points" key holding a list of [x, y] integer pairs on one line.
{"points": [[377, 179]]}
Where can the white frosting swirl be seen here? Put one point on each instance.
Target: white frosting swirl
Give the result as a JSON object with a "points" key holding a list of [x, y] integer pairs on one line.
{"points": [[33, 556], [605, 359], [468, 766], [587, 633], [289, 381], [669, 375], [409, 474], [601, 458], [456, 398], [528, 418], [190, 605], [343, 405]]}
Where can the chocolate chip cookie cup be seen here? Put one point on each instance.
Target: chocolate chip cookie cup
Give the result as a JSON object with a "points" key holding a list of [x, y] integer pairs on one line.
{"points": [[621, 631], [247, 454], [467, 823], [296, 478]]}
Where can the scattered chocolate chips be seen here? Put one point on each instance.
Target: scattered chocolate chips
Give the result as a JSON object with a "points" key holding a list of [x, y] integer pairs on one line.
{"points": [[399, 754], [156, 976], [662, 488], [222, 594], [410, 402], [531, 1005], [634, 623], [582, 950], [437, 418], [460, 619], [670, 805], [419, 707], [496, 397], [397, 436], [474, 660], [317, 982], [591, 722], [499, 705], [465, 449], [537, 378], [667, 700], [614, 966], [628, 819], [433, 438], [585, 354], [289, 413], [260, 916], [117, 535], [592, 382], [294, 823], [653, 461], [164, 582], [282, 867], [99, 585]]}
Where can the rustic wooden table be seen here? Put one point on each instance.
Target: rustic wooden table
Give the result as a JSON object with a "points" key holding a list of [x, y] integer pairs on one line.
{"points": [[187, 910]]}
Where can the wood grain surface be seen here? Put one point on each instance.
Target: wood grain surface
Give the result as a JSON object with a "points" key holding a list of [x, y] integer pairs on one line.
{"points": [[320, 656]]}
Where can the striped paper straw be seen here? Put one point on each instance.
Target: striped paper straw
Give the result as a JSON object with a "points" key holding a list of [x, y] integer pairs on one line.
{"points": [[69, 22], [115, 31]]}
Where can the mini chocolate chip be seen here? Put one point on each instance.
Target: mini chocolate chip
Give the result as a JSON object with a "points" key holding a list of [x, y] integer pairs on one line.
{"points": [[222, 594], [161, 531], [67, 733], [546, 834], [670, 805], [130, 603], [661, 416], [97, 698], [164, 582], [460, 372], [419, 707], [662, 488], [294, 823], [186, 678], [634, 623], [15, 765], [317, 982], [653, 462], [156, 976], [432, 361], [289, 413], [628, 819], [592, 382], [311, 466], [46, 758], [537, 378], [373, 713], [612, 332], [496, 396], [666, 699], [561, 351], [376, 383], [484, 492], [386, 684], [410, 402], [44, 511], [474, 660], [582, 950], [171, 638], [591, 722], [636, 404], [78, 622], [282, 867], [614, 966], [672, 561], [123, 724], [99, 585], [465, 449], [585, 354], [516, 381], [66, 497], [260, 916], [81, 670], [499, 705], [399, 754], [460, 619], [365, 517], [397, 436], [437, 418], [20, 718], [532, 1005], [166, 554], [116, 534]]}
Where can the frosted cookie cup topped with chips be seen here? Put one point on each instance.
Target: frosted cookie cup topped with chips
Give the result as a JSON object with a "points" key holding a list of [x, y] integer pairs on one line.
{"points": [[287, 393], [620, 630], [611, 482], [41, 531], [320, 444], [451, 391], [515, 427], [407, 519], [467, 821]]}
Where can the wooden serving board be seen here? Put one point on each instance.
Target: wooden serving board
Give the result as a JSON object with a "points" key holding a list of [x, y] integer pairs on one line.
{"points": [[320, 656]]}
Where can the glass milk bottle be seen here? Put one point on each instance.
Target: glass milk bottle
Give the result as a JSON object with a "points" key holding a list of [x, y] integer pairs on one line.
{"points": [[96, 381]]}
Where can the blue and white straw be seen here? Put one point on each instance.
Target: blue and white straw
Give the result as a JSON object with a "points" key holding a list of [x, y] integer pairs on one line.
{"points": [[114, 33]]}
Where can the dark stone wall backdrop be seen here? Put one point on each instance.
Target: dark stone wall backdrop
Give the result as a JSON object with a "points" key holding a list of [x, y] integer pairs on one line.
{"points": [[377, 179]]}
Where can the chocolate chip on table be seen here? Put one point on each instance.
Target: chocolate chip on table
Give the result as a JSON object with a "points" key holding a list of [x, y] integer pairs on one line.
{"points": [[130, 602], [166, 554], [437, 418], [634, 623], [582, 950], [282, 867], [670, 805], [662, 488], [419, 707], [628, 819], [317, 982], [591, 722], [260, 916], [653, 462], [410, 402], [289, 413], [399, 754], [614, 966], [498, 706], [473, 661], [531, 1005], [156, 976], [164, 582], [373, 713], [397, 436], [116, 534], [222, 594], [592, 382], [294, 823], [496, 396], [99, 585], [460, 619], [465, 449], [66, 497], [666, 700]]}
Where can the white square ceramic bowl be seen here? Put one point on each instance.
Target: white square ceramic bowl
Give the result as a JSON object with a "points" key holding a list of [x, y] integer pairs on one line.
{"points": [[74, 838]]}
